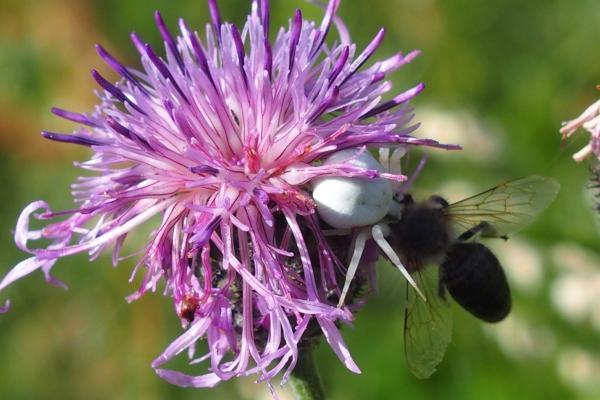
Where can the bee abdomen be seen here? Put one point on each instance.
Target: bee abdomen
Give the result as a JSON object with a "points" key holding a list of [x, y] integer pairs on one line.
{"points": [[475, 279]]}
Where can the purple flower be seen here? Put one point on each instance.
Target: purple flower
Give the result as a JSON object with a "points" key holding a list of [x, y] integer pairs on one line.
{"points": [[221, 139], [590, 121]]}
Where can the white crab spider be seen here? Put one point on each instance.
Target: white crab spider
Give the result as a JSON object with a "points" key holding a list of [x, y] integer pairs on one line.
{"points": [[362, 203]]}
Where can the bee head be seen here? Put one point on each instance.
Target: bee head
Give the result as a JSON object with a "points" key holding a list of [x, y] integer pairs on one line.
{"points": [[437, 202]]}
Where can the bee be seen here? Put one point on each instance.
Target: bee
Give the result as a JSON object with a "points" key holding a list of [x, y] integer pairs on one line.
{"points": [[424, 233]]}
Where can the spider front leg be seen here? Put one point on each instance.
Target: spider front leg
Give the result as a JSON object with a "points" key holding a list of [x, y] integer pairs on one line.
{"points": [[377, 232], [378, 235], [359, 247]]}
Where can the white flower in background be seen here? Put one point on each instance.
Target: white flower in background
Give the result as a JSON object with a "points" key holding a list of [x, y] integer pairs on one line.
{"points": [[590, 121]]}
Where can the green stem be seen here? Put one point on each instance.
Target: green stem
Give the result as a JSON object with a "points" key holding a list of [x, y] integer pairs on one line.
{"points": [[305, 377]]}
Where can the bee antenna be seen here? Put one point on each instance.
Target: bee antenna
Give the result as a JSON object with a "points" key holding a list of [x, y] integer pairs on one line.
{"points": [[359, 247], [379, 238]]}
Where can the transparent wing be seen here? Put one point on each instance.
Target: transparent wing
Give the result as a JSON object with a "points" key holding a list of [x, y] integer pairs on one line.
{"points": [[507, 207], [427, 325]]}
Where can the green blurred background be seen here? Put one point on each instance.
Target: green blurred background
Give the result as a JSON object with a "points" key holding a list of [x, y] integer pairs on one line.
{"points": [[501, 76]]}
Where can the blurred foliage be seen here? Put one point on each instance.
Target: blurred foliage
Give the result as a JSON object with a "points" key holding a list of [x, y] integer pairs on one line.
{"points": [[518, 68]]}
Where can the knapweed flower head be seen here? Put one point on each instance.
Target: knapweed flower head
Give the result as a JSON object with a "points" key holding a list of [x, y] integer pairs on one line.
{"points": [[220, 139], [590, 121]]}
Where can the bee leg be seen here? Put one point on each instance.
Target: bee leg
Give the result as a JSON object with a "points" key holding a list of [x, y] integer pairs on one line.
{"points": [[359, 247], [383, 244], [484, 228], [441, 289]]}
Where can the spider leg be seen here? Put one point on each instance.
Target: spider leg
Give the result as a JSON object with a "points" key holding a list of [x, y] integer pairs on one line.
{"points": [[359, 247], [379, 238]]}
